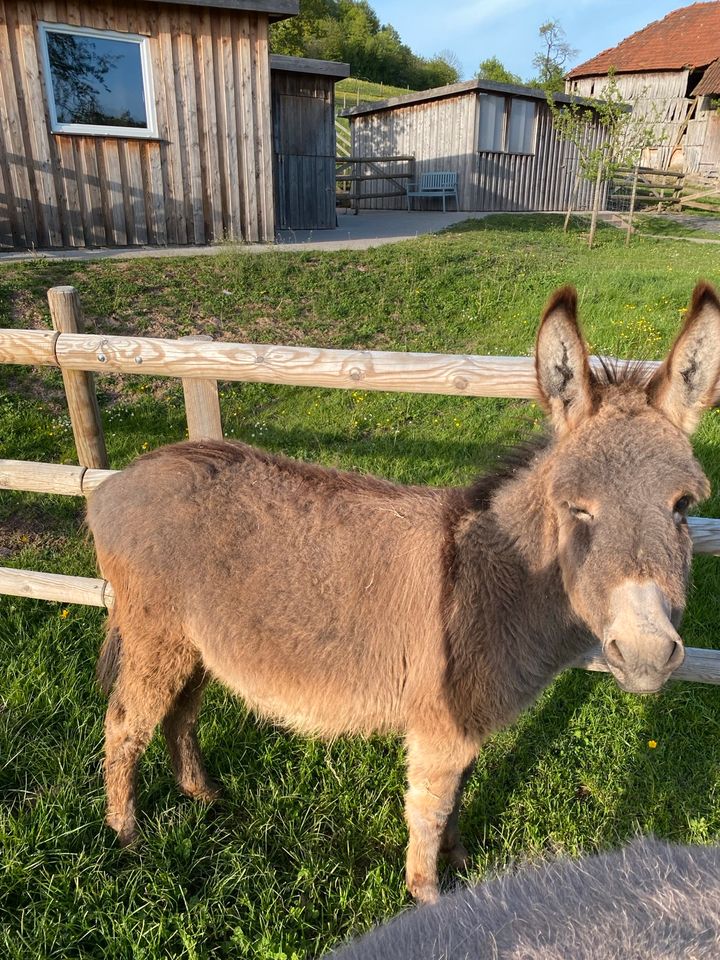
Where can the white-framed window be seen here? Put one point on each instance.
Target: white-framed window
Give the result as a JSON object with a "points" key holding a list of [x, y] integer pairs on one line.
{"points": [[507, 124], [98, 82]]}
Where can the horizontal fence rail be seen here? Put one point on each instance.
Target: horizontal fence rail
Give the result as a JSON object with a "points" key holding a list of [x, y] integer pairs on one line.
{"points": [[201, 364], [452, 374], [700, 666]]}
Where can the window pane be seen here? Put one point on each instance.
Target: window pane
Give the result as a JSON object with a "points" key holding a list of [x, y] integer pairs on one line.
{"points": [[96, 80], [521, 126], [492, 111]]}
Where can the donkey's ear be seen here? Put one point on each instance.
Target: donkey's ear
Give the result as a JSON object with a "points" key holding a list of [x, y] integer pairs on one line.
{"points": [[683, 386], [561, 363]]}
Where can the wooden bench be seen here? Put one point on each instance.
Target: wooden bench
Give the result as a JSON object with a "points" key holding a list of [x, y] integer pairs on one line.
{"points": [[441, 184]]}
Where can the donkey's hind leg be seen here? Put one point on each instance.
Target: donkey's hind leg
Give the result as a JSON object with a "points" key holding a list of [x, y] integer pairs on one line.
{"points": [[451, 846], [152, 674], [435, 772], [181, 736]]}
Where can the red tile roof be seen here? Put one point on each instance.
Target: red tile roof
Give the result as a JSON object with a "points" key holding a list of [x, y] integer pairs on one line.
{"points": [[688, 37]]}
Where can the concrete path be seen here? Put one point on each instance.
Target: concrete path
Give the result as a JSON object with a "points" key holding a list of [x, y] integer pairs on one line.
{"points": [[369, 228]]}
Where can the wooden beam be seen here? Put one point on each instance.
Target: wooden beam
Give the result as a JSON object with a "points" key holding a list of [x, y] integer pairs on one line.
{"points": [[275, 9], [55, 586], [699, 666], [202, 403], [326, 68], [50, 477], [67, 317], [34, 347]]}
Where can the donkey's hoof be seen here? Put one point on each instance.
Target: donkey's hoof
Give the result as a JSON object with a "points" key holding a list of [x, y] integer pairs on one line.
{"points": [[204, 792], [127, 832], [457, 856], [423, 890]]}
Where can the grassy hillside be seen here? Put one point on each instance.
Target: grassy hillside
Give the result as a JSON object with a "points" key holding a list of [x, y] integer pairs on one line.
{"points": [[308, 844]]}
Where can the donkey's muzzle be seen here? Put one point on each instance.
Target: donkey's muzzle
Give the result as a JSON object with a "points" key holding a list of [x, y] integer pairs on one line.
{"points": [[641, 645]]}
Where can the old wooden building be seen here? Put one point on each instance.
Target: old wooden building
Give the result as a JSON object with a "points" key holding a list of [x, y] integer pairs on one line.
{"points": [[670, 73], [136, 123], [498, 138], [303, 111]]}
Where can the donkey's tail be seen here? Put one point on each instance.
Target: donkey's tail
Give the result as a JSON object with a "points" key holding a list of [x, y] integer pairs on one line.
{"points": [[108, 665]]}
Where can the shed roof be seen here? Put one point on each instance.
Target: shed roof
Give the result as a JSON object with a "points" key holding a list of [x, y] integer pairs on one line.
{"points": [[688, 37], [276, 9], [326, 68], [457, 89], [710, 82]]}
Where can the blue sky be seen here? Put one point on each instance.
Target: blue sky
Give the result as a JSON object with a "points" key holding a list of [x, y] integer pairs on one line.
{"points": [[476, 29]]}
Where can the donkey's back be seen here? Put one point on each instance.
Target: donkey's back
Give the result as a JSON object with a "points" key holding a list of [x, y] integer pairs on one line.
{"points": [[300, 587]]}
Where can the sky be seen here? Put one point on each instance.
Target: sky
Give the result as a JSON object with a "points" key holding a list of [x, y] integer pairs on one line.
{"points": [[508, 29]]}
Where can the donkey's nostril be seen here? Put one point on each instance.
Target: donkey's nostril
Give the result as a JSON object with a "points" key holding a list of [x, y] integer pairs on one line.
{"points": [[613, 654], [677, 655]]}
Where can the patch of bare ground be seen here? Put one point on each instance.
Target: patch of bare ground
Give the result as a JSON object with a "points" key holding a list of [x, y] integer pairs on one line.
{"points": [[30, 526]]}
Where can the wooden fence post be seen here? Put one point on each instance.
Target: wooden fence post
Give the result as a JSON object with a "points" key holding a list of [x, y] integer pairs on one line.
{"points": [[633, 195], [202, 403], [67, 317]]}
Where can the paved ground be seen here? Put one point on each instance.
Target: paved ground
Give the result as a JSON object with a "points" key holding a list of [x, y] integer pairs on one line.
{"points": [[695, 220], [370, 228]]}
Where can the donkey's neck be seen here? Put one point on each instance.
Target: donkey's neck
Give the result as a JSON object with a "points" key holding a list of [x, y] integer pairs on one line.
{"points": [[509, 604]]}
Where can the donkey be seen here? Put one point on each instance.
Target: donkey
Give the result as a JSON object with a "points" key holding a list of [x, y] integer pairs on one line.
{"points": [[336, 603], [648, 900]]}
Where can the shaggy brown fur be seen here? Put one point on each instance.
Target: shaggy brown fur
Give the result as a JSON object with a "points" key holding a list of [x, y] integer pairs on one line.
{"points": [[337, 603]]}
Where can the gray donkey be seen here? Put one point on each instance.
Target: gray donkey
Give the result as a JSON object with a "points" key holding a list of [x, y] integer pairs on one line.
{"points": [[336, 603], [650, 901]]}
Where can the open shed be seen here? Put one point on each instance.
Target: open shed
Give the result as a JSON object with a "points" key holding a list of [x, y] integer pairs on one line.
{"points": [[670, 73], [499, 139], [136, 123], [303, 109]]}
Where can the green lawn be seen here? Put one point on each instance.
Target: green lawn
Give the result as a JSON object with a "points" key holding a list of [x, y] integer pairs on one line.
{"points": [[307, 846]]}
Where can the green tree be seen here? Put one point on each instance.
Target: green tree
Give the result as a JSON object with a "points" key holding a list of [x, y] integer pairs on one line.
{"points": [[624, 137], [550, 61], [493, 69]]}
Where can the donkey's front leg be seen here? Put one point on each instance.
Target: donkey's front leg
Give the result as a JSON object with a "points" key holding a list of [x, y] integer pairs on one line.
{"points": [[435, 772]]}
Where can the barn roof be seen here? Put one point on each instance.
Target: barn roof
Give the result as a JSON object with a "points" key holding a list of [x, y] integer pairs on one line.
{"points": [[327, 68], [457, 89], [276, 9], [688, 37]]}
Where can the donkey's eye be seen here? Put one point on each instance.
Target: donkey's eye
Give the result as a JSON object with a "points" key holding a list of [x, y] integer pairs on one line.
{"points": [[580, 513], [682, 506]]}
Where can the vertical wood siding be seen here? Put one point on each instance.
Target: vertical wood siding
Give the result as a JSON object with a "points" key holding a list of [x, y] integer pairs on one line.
{"points": [[442, 135], [208, 175]]}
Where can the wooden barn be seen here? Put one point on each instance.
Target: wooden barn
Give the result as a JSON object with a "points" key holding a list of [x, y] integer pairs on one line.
{"points": [[670, 73], [498, 138], [303, 110], [150, 123]]}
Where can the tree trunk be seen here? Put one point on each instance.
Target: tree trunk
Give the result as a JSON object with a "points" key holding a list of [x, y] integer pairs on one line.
{"points": [[576, 188], [596, 204]]}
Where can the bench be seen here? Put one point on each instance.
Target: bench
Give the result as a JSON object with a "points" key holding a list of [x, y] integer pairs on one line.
{"points": [[439, 184]]}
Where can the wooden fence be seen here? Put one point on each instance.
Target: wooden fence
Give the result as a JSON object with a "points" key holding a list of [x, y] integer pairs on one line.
{"points": [[200, 363], [371, 178]]}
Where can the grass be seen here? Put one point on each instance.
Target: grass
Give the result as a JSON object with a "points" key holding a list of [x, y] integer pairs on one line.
{"points": [[351, 91], [307, 847], [660, 226]]}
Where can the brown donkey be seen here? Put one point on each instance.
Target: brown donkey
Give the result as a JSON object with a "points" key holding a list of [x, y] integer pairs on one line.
{"points": [[335, 603]]}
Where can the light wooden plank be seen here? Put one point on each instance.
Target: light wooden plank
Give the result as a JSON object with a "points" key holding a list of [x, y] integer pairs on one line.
{"points": [[54, 586], [56, 478], [42, 147], [190, 123], [72, 209], [232, 173], [135, 190], [172, 155], [246, 126], [12, 128], [34, 347], [113, 190], [262, 95], [209, 129], [699, 666], [83, 408]]}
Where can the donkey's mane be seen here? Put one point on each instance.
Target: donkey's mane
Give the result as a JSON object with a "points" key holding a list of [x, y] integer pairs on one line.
{"points": [[611, 372], [480, 493]]}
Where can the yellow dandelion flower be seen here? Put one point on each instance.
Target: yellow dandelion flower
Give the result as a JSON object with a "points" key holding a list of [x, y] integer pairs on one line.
{"points": [[65, 613], [652, 744]]}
